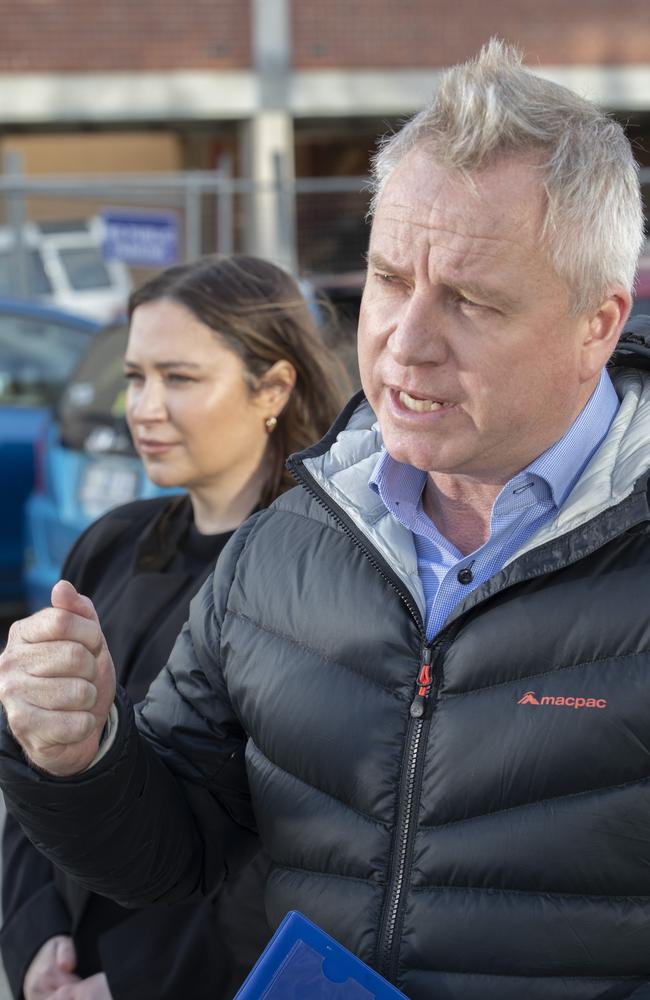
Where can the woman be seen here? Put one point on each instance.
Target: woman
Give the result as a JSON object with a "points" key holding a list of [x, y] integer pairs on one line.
{"points": [[226, 375]]}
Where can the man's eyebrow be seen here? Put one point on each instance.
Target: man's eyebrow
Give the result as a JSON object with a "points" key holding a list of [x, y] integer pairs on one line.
{"points": [[162, 365], [484, 293], [381, 264]]}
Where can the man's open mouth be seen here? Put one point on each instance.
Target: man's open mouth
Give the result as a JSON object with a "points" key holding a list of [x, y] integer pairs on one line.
{"points": [[421, 405]]}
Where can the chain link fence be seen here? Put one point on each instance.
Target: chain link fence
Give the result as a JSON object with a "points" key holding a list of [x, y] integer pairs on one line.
{"points": [[311, 226]]}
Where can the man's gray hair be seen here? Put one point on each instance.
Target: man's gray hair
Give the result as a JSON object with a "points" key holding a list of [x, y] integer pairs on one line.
{"points": [[494, 107]]}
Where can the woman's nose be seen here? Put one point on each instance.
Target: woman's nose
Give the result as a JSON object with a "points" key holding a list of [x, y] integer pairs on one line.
{"points": [[148, 401]]}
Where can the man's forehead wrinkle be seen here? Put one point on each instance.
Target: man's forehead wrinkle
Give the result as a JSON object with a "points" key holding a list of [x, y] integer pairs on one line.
{"points": [[461, 251], [462, 258], [404, 220]]}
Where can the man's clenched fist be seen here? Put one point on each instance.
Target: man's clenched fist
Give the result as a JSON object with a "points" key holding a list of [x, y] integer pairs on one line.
{"points": [[57, 683]]}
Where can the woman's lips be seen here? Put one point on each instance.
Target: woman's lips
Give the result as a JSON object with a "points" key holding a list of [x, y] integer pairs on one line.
{"points": [[154, 447]]}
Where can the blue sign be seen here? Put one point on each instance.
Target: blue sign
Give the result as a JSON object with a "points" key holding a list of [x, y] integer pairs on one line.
{"points": [[147, 239]]}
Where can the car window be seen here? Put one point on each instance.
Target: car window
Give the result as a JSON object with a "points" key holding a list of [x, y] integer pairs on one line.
{"points": [[91, 408], [37, 280], [36, 357], [84, 268]]}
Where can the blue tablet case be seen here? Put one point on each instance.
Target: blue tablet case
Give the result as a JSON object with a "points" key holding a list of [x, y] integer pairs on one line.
{"points": [[302, 962]]}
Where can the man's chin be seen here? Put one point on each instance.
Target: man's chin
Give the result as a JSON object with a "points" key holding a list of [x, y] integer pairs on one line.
{"points": [[423, 460], [420, 455]]}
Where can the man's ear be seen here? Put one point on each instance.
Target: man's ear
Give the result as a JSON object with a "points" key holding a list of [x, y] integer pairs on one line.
{"points": [[602, 331], [275, 387]]}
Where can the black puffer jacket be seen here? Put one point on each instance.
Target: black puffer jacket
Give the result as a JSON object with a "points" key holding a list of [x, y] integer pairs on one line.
{"points": [[488, 842]]}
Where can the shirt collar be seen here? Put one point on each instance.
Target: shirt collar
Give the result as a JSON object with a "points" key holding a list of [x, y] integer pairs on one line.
{"points": [[563, 463], [560, 466]]}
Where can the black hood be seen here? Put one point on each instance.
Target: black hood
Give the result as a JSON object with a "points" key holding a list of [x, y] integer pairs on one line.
{"points": [[633, 349]]}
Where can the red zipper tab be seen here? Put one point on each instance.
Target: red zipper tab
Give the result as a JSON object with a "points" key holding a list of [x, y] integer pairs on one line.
{"points": [[424, 682]]}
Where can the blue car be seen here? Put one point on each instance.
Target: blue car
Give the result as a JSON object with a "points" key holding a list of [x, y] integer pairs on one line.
{"points": [[39, 347], [86, 463]]}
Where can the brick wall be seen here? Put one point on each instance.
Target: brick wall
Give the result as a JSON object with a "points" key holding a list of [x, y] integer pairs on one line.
{"points": [[127, 35], [431, 33], [103, 35]]}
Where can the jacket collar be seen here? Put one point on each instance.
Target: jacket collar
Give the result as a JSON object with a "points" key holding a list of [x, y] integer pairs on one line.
{"points": [[343, 461], [621, 465]]}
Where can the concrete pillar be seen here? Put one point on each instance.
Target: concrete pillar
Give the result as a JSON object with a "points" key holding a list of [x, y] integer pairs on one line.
{"points": [[268, 140]]}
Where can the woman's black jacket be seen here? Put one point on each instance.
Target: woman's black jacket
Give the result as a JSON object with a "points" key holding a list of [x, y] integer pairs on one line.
{"points": [[141, 564]]}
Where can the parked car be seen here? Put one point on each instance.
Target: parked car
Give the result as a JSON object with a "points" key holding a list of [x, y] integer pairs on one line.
{"points": [[64, 266], [39, 347], [86, 463]]}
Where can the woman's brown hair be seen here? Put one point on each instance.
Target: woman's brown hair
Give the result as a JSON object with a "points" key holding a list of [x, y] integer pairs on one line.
{"points": [[257, 311]]}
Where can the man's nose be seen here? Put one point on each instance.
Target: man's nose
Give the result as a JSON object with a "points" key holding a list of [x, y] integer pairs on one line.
{"points": [[418, 336]]}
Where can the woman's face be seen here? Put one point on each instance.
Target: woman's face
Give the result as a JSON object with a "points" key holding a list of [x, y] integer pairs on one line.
{"points": [[194, 420]]}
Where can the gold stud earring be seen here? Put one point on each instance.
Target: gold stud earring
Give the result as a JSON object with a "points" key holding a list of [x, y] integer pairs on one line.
{"points": [[271, 423]]}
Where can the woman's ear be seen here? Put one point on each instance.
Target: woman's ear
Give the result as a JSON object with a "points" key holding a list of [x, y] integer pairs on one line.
{"points": [[275, 387]]}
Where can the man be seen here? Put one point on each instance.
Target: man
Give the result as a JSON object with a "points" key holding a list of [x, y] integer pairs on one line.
{"points": [[428, 667]]}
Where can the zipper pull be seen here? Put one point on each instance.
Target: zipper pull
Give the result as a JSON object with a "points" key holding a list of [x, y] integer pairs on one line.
{"points": [[424, 682]]}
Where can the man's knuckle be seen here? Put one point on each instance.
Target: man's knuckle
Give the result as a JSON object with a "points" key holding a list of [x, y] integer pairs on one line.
{"points": [[11, 687], [20, 719], [84, 694], [80, 726], [77, 654], [94, 636], [14, 631], [60, 622]]}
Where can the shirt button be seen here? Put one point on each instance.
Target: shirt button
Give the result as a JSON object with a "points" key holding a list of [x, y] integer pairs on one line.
{"points": [[464, 575]]}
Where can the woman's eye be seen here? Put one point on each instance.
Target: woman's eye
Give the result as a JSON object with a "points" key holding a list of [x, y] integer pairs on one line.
{"points": [[132, 376], [177, 379]]}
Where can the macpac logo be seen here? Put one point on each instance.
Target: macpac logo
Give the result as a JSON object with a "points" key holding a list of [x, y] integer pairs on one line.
{"points": [[563, 701]]}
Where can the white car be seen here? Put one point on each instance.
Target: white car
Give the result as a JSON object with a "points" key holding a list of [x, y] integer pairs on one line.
{"points": [[64, 267]]}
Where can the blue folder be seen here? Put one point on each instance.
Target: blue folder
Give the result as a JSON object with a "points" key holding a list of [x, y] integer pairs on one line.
{"points": [[302, 962]]}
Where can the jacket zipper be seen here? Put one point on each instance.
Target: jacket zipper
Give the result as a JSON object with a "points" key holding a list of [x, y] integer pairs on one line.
{"points": [[387, 950]]}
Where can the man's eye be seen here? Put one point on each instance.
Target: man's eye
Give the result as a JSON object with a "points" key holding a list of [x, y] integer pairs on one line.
{"points": [[387, 279], [464, 301]]}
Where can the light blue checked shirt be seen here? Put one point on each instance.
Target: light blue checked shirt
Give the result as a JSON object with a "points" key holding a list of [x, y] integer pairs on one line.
{"points": [[526, 502]]}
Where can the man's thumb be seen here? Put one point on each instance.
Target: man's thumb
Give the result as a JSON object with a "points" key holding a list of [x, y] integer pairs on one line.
{"points": [[66, 957], [65, 597]]}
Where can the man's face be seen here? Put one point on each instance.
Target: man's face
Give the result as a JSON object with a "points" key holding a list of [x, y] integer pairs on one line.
{"points": [[467, 351]]}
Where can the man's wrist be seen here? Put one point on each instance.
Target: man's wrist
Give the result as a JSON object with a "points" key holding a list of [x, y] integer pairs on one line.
{"points": [[107, 739]]}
